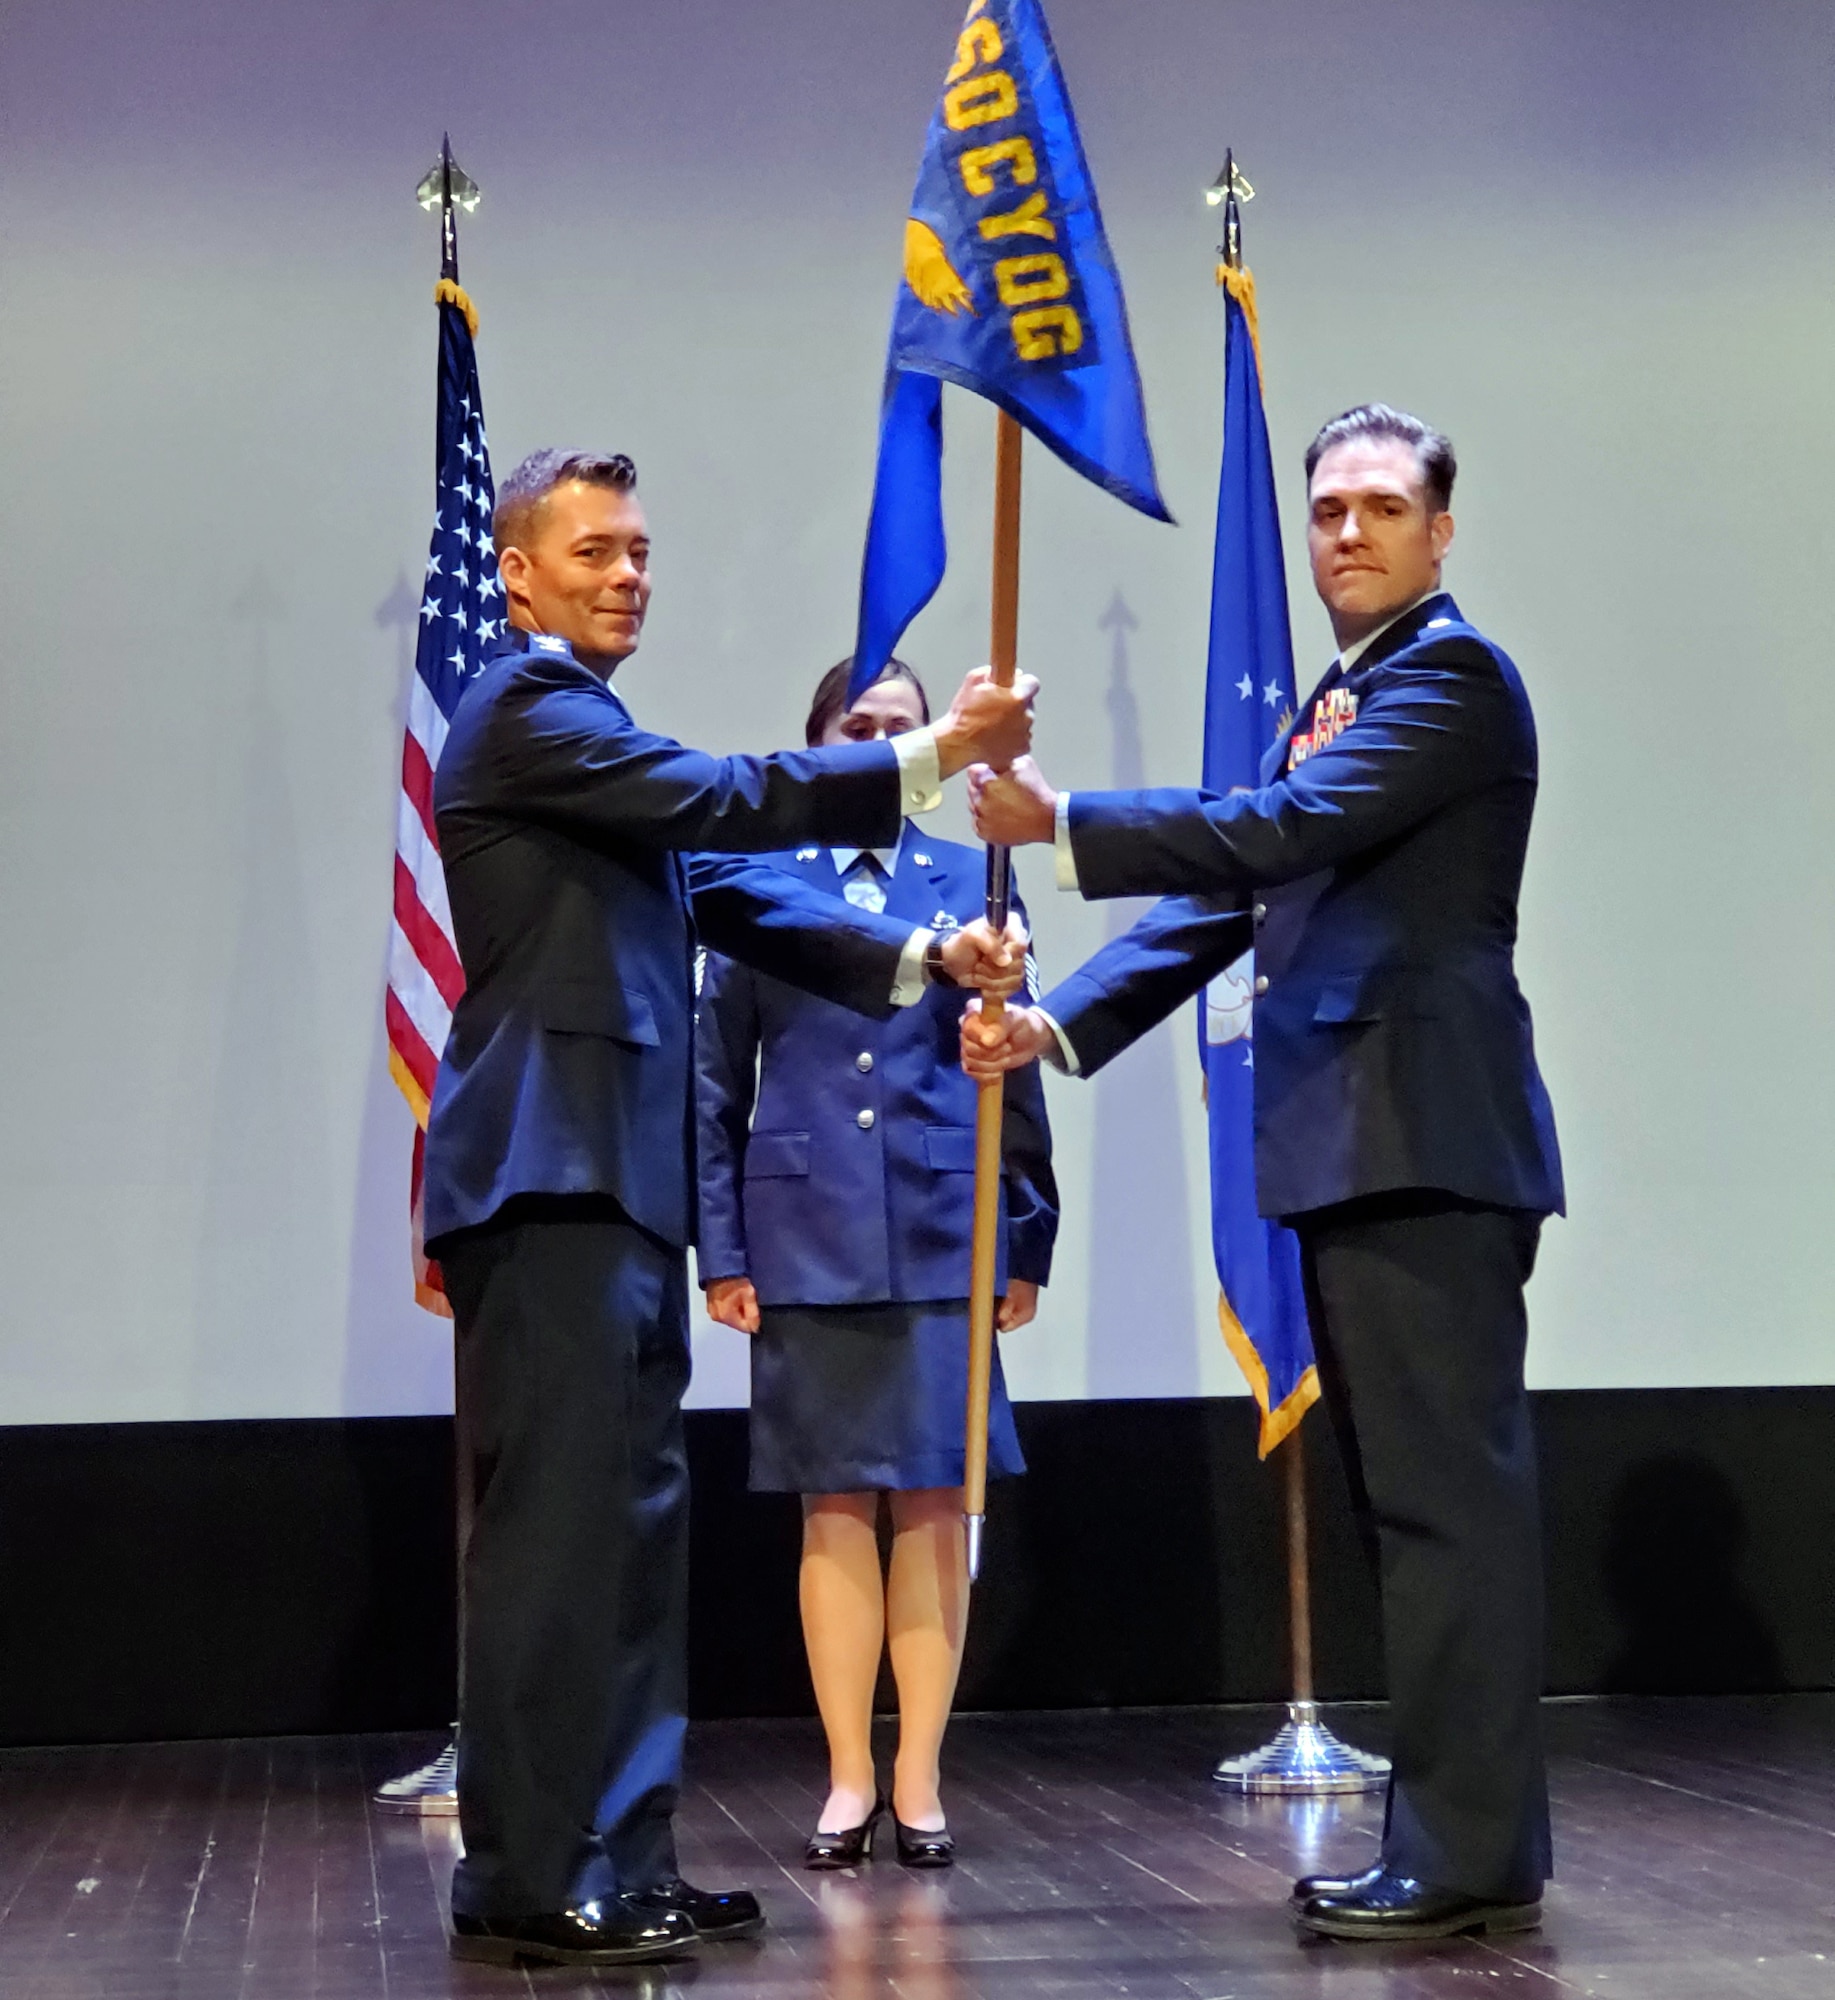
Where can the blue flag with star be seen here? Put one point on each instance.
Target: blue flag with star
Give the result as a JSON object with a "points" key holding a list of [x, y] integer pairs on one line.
{"points": [[1009, 291], [1249, 700]]}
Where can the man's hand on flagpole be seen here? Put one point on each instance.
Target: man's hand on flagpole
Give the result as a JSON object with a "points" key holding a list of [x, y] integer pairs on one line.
{"points": [[991, 1048], [976, 956], [733, 1302], [1020, 1307], [1012, 808], [986, 723]]}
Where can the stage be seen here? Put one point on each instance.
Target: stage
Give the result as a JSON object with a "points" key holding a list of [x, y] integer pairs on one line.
{"points": [[1695, 1839]]}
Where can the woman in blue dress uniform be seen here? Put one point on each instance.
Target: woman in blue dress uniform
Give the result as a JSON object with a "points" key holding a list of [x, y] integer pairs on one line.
{"points": [[837, 1159]]}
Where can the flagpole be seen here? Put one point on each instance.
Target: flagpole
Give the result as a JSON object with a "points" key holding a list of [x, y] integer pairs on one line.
{"points": [[1003, 656], [432, 1790], [1304, 1758]]}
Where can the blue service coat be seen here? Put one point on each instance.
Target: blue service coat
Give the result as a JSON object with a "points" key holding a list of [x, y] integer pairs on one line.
{"points": [[568, 835], [1378, 884], [837, 1155]]}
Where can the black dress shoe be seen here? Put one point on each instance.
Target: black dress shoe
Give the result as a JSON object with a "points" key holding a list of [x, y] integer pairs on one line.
{"points": [[718, 1915], [919, 1848], [847, 1849], [1309, 1886], [1394, 1906], [613, 1932]]}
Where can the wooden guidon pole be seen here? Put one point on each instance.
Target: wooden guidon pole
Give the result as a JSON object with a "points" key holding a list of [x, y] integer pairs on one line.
{"points": [[1003, 656]]}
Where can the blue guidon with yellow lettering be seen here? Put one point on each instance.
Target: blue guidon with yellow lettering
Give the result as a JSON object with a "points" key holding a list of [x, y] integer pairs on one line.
{"points": [[988, 187], [1009, 291]]}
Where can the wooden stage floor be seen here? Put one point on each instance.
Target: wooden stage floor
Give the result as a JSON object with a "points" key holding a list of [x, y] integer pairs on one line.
{"points": [[1695, 1841]]}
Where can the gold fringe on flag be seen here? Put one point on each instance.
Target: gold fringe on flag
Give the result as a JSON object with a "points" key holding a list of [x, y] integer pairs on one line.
{"points": [[447, 293], [1239, 281], [1276, 1423]]}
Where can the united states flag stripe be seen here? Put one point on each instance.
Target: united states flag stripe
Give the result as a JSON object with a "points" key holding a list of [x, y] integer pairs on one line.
{"points": [[461, 623]]}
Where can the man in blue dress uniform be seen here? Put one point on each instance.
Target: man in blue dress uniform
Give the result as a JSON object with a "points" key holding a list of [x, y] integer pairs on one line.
{"points": [[1401, 1128], [559, 1192]]}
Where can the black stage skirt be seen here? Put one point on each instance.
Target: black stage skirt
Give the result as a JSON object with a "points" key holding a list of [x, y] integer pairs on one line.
{"points": [[849, 1399]]}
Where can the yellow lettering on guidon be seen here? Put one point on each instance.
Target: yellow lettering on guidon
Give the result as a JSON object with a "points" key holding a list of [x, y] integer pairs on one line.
{"points": [[1028, 281], [982, 100], [979, 162], [1046, 331], [1028, 219], [979, 43]]}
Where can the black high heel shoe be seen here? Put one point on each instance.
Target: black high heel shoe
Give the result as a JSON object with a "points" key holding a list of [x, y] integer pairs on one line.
{"points": [[847, 1849], [922, 1847]]}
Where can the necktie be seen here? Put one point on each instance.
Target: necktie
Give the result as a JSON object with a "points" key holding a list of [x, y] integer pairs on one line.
{"points": [[865, 886]]}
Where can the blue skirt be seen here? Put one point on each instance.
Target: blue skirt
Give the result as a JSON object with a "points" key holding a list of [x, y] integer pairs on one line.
{"points": [[852, 1399]]}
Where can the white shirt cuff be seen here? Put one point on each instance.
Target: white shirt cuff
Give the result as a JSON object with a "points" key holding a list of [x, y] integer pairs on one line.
{"points": [[1065, 1057], [920, 771], [908, 987], [1067, 861]]}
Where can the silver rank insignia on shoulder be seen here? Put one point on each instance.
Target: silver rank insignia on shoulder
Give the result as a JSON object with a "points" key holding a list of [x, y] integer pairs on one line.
{"points": [[544, 642], [943, 921], [1434, 624], [922, 861], [807, 853]]}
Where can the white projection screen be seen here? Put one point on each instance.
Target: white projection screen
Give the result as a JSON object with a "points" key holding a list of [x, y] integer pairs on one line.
{"points": [[1592, 243]]}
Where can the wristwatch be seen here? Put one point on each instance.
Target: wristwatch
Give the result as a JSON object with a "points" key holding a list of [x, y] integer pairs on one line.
{"points": [[934, 969]]}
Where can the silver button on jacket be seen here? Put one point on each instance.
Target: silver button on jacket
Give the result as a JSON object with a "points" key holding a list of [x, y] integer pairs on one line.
{"points": [[864, 1061], [864, 1120]]}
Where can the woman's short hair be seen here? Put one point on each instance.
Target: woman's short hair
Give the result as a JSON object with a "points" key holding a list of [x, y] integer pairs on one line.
{"points": [[831, 695]]}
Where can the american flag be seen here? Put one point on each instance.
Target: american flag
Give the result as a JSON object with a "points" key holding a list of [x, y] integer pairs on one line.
{"points": [[461, 625]]}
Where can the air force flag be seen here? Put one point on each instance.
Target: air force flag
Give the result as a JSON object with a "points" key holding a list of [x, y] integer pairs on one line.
{"points": [[1009, 291], [1249, 700]]}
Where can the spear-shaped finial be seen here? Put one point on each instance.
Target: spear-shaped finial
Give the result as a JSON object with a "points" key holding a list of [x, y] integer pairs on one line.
{"points": [[448, 187], [1230, 188]]}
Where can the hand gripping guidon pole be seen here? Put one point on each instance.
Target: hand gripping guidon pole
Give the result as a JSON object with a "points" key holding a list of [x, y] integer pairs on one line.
{"points": [[1003, 650]]}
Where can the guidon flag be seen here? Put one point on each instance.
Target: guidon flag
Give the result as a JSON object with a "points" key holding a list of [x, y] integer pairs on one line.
{"points": [[1009, 291]]}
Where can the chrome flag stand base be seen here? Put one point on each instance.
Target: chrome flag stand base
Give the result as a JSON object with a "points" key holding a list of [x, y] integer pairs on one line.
{"points": [[1304, 1759], [973, 1525], [432, 1791]]}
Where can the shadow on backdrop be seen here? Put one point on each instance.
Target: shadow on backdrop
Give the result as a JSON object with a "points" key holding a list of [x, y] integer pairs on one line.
{"points": [[1140, 1285], [1674, 1554]]}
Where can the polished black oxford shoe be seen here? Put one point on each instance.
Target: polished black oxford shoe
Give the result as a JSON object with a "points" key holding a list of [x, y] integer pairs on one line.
{"points": [[613, 1932], [846, 1849], [718, 1915], [1309, 1886], [1394, 1906]]}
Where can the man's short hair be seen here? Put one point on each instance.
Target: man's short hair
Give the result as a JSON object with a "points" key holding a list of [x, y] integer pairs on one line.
{"points": [[831, 695], [1432, 449], [520, 497]]}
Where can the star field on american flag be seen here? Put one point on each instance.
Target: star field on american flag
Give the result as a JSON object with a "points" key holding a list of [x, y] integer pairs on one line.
{"points": [[462, 619]]}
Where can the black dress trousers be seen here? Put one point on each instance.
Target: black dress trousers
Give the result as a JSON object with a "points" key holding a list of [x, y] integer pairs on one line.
{"points": [[572, 1359], [1416, 1304]]}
